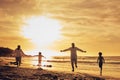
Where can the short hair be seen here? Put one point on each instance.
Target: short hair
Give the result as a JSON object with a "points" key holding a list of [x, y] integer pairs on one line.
{"points": [[18, 45], [39, 52], [100, 53], [73, 45]]}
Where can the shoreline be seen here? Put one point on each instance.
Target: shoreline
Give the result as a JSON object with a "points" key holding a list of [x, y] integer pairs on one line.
{"points": [[11, 73]]}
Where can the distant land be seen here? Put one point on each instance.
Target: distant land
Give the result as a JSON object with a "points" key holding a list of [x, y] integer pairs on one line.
{"points": [[7, 52]]}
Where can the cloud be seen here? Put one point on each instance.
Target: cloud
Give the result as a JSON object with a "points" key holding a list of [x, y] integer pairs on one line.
{"points": [[19, 7], [86, 21], [13, 41]]}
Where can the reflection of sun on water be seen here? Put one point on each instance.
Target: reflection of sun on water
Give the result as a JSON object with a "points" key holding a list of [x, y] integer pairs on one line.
{"points": [[43, 62]]}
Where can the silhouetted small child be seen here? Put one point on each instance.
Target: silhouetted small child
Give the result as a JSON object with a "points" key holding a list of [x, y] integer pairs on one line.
{"points": [[40, 58], [100, 61]]}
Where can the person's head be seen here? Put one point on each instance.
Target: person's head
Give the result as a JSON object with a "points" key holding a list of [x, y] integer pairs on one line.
{"points": [[18, 47], [39, 53], [73, 45], [100, 53]]}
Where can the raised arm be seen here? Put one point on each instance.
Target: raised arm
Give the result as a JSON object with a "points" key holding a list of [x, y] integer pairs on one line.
{"points": [[65, 50], [80, 50]]}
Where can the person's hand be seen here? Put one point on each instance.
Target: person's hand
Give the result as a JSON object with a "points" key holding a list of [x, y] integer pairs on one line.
{"points": [[61, 51]]}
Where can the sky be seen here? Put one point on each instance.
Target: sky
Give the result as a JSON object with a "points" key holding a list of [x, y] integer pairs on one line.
{"points": [[52, 25]]}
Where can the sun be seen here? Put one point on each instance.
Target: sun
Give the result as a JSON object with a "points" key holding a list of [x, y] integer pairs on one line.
{"points": [[41, 30]]}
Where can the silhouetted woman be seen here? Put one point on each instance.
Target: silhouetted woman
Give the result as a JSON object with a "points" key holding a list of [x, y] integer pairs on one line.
{"points": [[18, 54], [100, 61]]}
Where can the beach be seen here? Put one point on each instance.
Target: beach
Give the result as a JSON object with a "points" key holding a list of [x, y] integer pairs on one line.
{"points": [[14, 73], [60, 70]]}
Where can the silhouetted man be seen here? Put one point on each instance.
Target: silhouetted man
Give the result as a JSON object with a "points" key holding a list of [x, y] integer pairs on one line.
{"points": [[73, 50]]}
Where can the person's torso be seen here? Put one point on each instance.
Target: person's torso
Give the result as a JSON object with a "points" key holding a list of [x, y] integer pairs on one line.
{"points": [[40, 57], [100, 59], [73, 53], [18, 53]]}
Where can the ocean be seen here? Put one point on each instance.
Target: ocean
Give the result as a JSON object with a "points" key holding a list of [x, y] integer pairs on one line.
{"points": [[86, 64]]}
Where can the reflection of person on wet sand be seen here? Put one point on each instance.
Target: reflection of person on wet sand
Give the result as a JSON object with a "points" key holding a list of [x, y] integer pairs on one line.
{"points": [[100, 61], [40, 58], [73, 50]]}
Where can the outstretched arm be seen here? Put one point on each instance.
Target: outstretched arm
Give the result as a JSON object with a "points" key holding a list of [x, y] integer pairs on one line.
{"points": [[65, 50], [80, 50], [13, 53], [22, 53], [43, 56]]}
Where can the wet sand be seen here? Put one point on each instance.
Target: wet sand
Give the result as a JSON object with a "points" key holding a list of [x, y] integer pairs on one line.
{"points": [[12, 72], [15, 73]]}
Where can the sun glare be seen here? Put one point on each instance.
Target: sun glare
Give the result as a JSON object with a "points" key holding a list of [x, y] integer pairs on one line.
{"points": [[41, 30]]}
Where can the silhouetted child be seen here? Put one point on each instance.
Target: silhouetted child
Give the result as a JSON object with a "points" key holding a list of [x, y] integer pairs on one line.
{"points": [[100, 61], [73, 50], [40, 58]]}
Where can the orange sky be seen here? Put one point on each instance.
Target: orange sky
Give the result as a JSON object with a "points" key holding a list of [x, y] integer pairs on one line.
{"points": [[92, 25]]}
